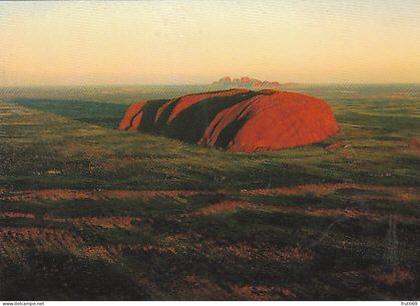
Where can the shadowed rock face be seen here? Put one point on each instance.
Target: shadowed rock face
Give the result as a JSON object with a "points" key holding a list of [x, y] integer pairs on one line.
{"points": [[238, 120]]}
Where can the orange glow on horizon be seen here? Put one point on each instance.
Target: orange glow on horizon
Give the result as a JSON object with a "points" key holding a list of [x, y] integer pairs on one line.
{"points": [[166, 42]]}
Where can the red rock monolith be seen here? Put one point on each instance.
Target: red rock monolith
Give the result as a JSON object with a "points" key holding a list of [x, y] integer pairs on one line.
{"points": [[251, 121]]}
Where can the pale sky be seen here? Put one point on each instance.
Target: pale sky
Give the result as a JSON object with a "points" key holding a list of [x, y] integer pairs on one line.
{"points": [[181, 42]]}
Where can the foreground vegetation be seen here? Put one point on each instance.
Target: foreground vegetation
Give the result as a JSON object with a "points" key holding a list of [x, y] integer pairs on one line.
{"points": [[90, 212]]}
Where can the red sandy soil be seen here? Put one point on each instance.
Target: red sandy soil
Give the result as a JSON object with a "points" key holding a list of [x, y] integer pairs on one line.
{"points": [[270, 120], [317, 189], [395, 276], [105, 222], [218, 208], [398, 194], [335, 146], [263, 293], [414, 144], [69, 194], [223, 206], [348, 213], [401, 194]]}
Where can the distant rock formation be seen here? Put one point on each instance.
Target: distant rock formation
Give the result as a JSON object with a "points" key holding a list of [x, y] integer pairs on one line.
{"points": [[238, 120], [248, 82]]}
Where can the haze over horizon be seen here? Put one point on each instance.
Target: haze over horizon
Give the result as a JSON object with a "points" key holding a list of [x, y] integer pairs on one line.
{"points": [[182, 42]]}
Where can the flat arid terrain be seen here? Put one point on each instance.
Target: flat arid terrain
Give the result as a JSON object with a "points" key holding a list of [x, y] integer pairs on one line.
{"points": [[90, 212]]}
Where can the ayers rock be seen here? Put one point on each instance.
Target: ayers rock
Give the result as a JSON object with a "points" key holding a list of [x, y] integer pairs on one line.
{"points": [[238, 120]]}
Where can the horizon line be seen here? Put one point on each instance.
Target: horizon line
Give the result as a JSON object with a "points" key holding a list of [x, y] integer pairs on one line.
{"points": [[202, 84]]}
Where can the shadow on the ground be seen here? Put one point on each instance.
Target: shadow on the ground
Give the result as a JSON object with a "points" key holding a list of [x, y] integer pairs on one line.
{"points": [[59, 276], [102, 114]]}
